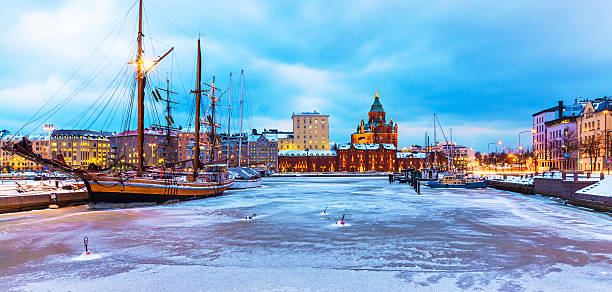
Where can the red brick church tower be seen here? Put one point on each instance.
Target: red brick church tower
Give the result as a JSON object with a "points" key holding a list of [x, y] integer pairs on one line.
{"points": [[377, 130]]}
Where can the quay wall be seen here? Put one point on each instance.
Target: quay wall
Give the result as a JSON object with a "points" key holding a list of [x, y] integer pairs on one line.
{"points": [[558, 188], [333, 174], [41, 201], [511, 187]]}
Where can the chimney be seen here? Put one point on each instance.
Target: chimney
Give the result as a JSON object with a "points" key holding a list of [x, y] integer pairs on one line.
{"points": [[254, 131], [560, 109]]}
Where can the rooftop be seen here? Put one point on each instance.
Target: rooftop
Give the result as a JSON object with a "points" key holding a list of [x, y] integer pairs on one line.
{"points": [[314, 113], [309, 153]]}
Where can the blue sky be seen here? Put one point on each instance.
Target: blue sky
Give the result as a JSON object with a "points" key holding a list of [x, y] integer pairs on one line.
{"points": [[483, 66]]}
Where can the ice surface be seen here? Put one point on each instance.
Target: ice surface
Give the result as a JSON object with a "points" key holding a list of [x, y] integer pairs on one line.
{"points": [[441, 240], [87, 257]]}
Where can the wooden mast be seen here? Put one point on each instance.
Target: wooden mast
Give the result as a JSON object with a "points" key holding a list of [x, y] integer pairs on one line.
{"points": [[240, 137], [198, 93], [170, 149], [141, 88], [213, 139], [229, 114]]}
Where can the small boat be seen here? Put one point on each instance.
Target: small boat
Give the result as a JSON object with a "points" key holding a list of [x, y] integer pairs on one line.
{"points": [[458, 181], [245, 178]]}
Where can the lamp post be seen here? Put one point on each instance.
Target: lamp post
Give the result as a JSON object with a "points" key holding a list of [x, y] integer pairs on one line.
{"points": [[489, 153], [532, 131], [605, 112], [307, 158]]}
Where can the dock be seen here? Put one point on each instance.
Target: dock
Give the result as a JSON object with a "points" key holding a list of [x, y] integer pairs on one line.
{"points": [[27, 196]]}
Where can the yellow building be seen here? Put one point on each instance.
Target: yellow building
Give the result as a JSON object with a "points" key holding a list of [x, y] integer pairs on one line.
{"points": [[81, 147], [310, 131], [593, 125], [10, 162]]}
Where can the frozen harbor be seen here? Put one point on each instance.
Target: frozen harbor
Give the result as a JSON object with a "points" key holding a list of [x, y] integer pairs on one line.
{"points": [[393, 240]]}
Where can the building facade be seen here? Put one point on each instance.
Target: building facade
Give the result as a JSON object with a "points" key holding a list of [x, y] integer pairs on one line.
{"points": [[10, 162], [350, 158], [593, 127], [186, 148], [555, 133], [366, 157], [561, 144], [80, 148], [157, 150], [262, 151], [376, 130], [310, 131]]}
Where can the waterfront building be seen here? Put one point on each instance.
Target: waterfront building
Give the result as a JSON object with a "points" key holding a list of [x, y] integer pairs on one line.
{"points": [[231, 144], [593, 126], [562, 143], [555, 133], [284, 139], [376, 130], [157, 150], [307, 161], [310, 131], [366, 157], [10, 162], [80, 148], [410, 160], [262, 151], [461, 156], [350, 158], [186, 147]]}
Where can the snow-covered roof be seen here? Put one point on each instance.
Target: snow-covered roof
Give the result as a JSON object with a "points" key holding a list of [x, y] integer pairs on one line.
{"points": [[389, 146], [344, 146], [304, 152], [419, 155], [360, 146]]}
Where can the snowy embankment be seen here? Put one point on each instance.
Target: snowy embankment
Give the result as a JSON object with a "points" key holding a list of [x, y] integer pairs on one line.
{"points": [[523, 180], [528, 179], [602, 188]]}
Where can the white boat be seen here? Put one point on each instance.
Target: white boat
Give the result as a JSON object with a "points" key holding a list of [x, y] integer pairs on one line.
{"points": [[245, 178]]}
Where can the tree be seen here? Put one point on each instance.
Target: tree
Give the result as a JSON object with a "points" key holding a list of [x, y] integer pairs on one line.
{"points": [[567, 143], [591, 146]]}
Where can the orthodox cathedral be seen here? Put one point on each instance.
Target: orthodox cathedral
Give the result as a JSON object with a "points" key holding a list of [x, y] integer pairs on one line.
{"points": [[376, 130]]}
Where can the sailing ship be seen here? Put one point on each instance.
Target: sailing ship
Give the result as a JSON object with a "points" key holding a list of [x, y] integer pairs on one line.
{"points": [[145, 185]]}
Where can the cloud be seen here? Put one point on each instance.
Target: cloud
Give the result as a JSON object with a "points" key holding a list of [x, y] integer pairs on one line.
{"points": [[484, 73]]}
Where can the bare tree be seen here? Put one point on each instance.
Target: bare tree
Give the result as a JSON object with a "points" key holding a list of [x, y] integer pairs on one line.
{"points": [[591, 145], [567, 143]]}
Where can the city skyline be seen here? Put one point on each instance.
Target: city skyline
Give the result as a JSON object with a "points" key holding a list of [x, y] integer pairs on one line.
{"points": [[485, 74]]}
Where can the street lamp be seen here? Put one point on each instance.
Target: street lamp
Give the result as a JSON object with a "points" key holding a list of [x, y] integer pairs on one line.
{"points": [[605, 112], [489, 153], [307, 158]]}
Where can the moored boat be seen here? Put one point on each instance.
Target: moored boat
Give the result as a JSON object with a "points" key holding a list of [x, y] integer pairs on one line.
{"points": [[458, 181], [245, 178]]}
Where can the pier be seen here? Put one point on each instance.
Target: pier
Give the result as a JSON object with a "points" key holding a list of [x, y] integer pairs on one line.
{"points": [[36, 195]]}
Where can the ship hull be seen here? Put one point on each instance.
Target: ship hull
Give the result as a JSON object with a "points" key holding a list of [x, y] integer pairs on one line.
{"points": [[470, 185], [139, 192], [246, 184]]}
